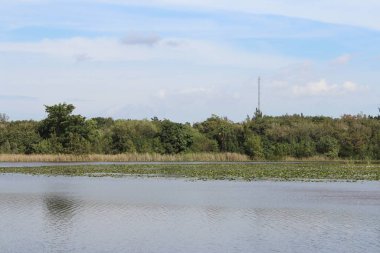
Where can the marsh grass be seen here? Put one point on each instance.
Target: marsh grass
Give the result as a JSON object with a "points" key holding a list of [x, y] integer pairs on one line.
{"points": [[155, 157], [248, 172], [130, 157]]}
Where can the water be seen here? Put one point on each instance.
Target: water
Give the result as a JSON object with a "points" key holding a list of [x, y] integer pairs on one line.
{"points": [[79, 214]]}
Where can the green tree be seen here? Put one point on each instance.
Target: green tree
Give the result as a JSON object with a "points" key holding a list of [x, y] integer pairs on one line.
{"points": [[303, 148], [175, 137], [121, 139], [73, 132], [328, 146], [22, 136], [253, 147], [228, 135], [201, 143]]}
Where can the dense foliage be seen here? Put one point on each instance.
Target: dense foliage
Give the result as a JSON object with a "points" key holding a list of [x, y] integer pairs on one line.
{"points": [[262, 137]]}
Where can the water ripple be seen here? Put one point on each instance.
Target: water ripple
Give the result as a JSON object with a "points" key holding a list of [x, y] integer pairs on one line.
{"points": [[65, 215]]}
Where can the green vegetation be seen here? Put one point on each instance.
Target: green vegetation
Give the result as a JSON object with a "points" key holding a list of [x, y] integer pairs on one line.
{"points": [[260, 138], [235, 171]]}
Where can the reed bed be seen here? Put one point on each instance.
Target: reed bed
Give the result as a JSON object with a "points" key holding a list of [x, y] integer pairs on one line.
{"points": [[130, 157]]}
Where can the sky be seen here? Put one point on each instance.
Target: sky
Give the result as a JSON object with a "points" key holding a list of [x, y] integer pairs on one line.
{"points": [[186, 60]]}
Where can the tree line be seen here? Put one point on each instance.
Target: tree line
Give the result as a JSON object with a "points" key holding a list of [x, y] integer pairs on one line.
{"points": [[260, 137]]}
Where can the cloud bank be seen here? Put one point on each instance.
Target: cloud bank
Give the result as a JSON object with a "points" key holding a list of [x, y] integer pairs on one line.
{"points": [[322, 87]]}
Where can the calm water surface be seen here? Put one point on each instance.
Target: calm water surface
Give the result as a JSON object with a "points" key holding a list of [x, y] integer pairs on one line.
{"points": [[77, 214]]}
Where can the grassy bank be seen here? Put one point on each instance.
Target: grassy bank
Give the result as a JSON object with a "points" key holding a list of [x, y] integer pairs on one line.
{"points": [[130, 157], [304, 171]]}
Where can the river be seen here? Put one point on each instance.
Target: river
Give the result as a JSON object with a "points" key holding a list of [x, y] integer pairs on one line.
{"points": [[80, 214]]}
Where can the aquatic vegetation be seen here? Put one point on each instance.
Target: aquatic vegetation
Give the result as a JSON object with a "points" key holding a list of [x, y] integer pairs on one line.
{"points": [[232, 171]]}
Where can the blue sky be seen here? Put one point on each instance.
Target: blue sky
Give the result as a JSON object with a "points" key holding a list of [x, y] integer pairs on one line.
{"points": [[185, 61]]}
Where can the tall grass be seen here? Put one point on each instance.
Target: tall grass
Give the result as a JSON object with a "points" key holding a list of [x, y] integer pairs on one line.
{"points": [[130, 157]]}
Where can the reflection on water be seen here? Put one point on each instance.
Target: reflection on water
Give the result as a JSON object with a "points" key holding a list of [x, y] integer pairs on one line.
{"points": [[63, 214], [59, 214], [60, 208]]}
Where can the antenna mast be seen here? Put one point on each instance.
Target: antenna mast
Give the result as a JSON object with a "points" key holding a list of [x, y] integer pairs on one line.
{"points": [[259, 95], [258, 113]]}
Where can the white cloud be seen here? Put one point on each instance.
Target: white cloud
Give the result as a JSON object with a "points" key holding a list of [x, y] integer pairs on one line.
{"points": [[161, 94], [82, 57], [199, 90], [342, 60], [351, 87], [111, 49], [141, 39], [322, 87]]}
